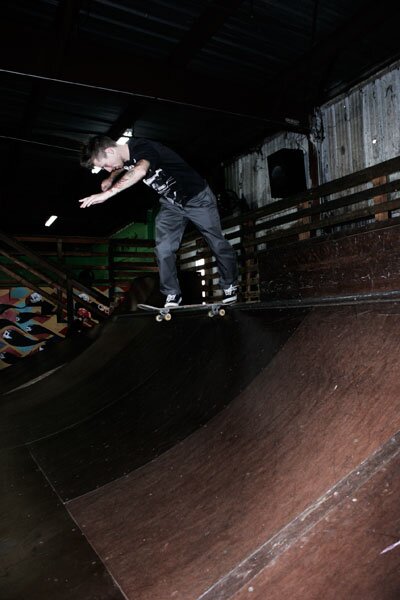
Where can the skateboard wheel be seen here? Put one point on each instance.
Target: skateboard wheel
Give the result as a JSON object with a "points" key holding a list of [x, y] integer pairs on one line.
{"points": [[210, 313], [159, 318], [168, 317], [221, 312]]}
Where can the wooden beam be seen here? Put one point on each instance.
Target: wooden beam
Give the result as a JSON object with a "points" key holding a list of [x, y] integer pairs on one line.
{"points": [[48, 266], [377, 182], [322, 56], [31, 286]]}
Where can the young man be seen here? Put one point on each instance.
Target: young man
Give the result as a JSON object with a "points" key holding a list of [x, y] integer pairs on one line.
{"points": [[184, 196]]}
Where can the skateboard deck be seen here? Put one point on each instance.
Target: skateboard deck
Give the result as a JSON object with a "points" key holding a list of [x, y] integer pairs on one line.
{"points": [[165, 314]]}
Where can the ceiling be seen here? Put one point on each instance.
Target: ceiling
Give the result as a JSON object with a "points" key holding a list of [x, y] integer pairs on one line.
{"points": [[210, 78]]}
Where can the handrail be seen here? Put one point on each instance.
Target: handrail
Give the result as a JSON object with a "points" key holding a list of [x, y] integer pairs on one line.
{"points": [[63, 274], [61, 280]]}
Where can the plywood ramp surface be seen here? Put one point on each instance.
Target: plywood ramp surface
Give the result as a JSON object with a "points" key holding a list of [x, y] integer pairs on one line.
{"points": [[184, 525]]}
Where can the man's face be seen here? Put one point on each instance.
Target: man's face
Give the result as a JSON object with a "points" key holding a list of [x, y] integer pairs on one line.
{"points": [[111, 161]]}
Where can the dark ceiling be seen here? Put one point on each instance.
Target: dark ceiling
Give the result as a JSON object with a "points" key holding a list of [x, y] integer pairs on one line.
{"points": [[210, 78]]}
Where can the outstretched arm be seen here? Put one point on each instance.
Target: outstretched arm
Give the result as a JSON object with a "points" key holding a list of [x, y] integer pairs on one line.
{"points": [[107, 183], [137, 173]]}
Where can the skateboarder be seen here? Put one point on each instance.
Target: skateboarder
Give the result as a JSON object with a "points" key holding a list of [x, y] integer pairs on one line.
{"points": [[184, 196]]}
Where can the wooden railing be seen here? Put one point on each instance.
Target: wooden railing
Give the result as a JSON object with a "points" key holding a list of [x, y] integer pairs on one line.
{"points": [[24, 267], [366, 199], [129, 258], [329, 208], [111, 262]]}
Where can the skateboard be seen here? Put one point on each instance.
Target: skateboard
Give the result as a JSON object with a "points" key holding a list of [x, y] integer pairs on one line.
{"points": [[165, 314]]}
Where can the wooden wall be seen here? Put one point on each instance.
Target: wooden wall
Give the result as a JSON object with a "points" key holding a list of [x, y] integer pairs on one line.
{"points": [[356, 263]]}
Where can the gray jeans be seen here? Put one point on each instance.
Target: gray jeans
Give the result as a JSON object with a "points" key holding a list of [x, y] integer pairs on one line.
{"points": [[201, 210]]}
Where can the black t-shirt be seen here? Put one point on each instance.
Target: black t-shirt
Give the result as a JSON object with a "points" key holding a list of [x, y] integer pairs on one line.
{"points": [[169, 175]]}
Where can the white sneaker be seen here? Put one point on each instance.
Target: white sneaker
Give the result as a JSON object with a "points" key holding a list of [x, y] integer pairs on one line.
{"points": [[230, 294], [173, 300]]}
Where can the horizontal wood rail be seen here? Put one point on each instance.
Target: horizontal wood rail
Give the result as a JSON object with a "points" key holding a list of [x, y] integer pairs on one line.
{"points": [[315, 212], [359, 201], [110, 262], [38, 272]]}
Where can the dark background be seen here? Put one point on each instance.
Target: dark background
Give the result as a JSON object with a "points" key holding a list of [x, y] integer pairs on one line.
{"points": [[211, 79]]}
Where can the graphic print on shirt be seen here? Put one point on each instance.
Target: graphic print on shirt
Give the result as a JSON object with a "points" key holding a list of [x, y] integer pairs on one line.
{"points": [[160, 182], [164, 185]]}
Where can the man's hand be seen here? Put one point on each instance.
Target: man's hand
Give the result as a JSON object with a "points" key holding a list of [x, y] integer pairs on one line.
{"points": [[135, 174], [95, 199]]}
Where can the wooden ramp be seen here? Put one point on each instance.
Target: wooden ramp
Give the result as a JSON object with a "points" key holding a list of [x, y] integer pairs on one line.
{"points": [[140, 389], [292, 491]]}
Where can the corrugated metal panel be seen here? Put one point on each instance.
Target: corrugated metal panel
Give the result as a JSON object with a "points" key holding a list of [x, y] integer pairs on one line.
{"points": [[248, 175], [39, 14], [14, 96], [257, 42], [150, 28], [362, 128], [66, 114], [263, 38]]}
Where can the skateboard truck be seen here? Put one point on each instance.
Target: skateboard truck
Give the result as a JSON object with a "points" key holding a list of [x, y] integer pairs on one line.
{"points": [[216, 310], [163, 315]]}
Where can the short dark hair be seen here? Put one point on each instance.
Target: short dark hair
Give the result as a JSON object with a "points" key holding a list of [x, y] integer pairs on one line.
{"points": [[95, 148]]}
